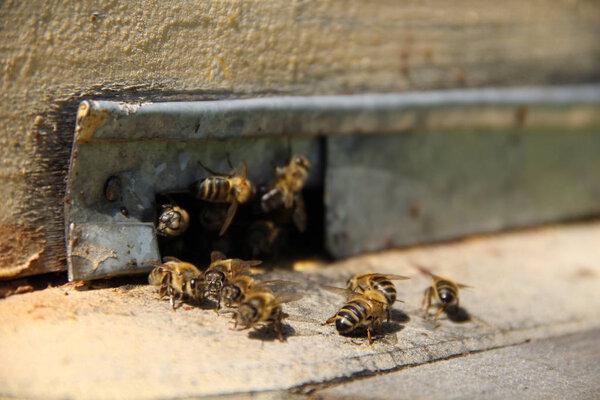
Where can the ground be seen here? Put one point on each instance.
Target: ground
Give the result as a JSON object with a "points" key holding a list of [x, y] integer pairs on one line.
{"points": [[533, 332]]}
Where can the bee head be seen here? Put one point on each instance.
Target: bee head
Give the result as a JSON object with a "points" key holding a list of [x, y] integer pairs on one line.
{"points": [[196, 287], [213, 282], [302, 161]]}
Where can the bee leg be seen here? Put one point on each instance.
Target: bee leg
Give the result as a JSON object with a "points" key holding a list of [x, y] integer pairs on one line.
{"points": [[278, 328], [439, 311], [162, 291], [329, 321], [171, 293], [426, 303], [228, 217], [369, 335], [164, 285]]}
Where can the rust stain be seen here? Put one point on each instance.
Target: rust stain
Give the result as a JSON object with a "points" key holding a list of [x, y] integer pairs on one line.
{"points": [[21, 248]]}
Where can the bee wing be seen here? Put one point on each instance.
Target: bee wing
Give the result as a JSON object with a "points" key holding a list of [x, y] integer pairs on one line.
{"points": [[394, 277], [189, 271], [168, 266], [241, 170], [272, 199], [349, 294], [210, 171], [242, 266], [461, 286], [299, 214], [216, 255], [386, 276], [171, 259], [228, 218], [275, 282], [288, 297], [425, 271]]}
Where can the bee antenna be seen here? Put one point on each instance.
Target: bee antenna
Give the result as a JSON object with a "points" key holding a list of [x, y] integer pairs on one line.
{"points": [[210, 171], [229, 161], [422, 269]]}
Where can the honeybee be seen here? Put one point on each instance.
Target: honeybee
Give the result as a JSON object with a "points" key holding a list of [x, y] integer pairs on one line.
{"points": [[262, 307], [173, 220], [177, 279], [221, 271], [367, 308], [234, 291], [380, 282], [262, 237], [286, 190], [444, 290], [233, 188]]}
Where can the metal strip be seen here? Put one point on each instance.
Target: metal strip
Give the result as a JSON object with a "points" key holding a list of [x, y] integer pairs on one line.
{"points": [[157, 147], [532, 108]]}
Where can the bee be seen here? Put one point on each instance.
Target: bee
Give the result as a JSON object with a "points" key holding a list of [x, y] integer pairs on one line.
{"points": [[173, 220], [221, 271], [286, 190], [380, 282], [233, 188], [263, 307], [367, 308], [234, 292], [262, 237], [177, 279], [444, 290]]}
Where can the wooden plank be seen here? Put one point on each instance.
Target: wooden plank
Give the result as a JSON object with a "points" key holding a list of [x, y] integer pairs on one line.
{"points": [[57, 54], [121, 341]]}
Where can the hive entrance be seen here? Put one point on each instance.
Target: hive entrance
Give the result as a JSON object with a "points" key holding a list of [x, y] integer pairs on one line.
{"points": [[252, 234]]}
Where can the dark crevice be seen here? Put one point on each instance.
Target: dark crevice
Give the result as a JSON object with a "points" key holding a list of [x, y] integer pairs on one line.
{"points": [[243, 237]]}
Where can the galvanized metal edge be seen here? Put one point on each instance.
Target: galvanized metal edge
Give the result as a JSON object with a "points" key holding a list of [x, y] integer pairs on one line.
{"points": [[564, 107], [123, 140]]}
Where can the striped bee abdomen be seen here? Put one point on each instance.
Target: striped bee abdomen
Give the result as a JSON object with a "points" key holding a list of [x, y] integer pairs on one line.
{"points": [[350, 316], [215, 189], [272, 199], [386, 287], [447, 291]]}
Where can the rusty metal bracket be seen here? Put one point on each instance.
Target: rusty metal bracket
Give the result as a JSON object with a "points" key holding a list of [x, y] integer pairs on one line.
{"points": [[126, 153]]}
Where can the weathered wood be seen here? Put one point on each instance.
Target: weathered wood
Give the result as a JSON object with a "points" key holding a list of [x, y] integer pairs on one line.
{"points": [[557, 368], [56, 54], [123, 342]]}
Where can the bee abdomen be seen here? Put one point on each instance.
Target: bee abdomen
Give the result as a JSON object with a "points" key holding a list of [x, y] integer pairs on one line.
{"points": [[215, 189], [350, 316], [156, 276], [446, 291], [272, 199], [387, 288]]}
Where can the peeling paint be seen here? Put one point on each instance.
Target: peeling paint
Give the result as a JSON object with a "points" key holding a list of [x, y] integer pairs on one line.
{"points": [[20, 249], [89, 119], [96, 255]]}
